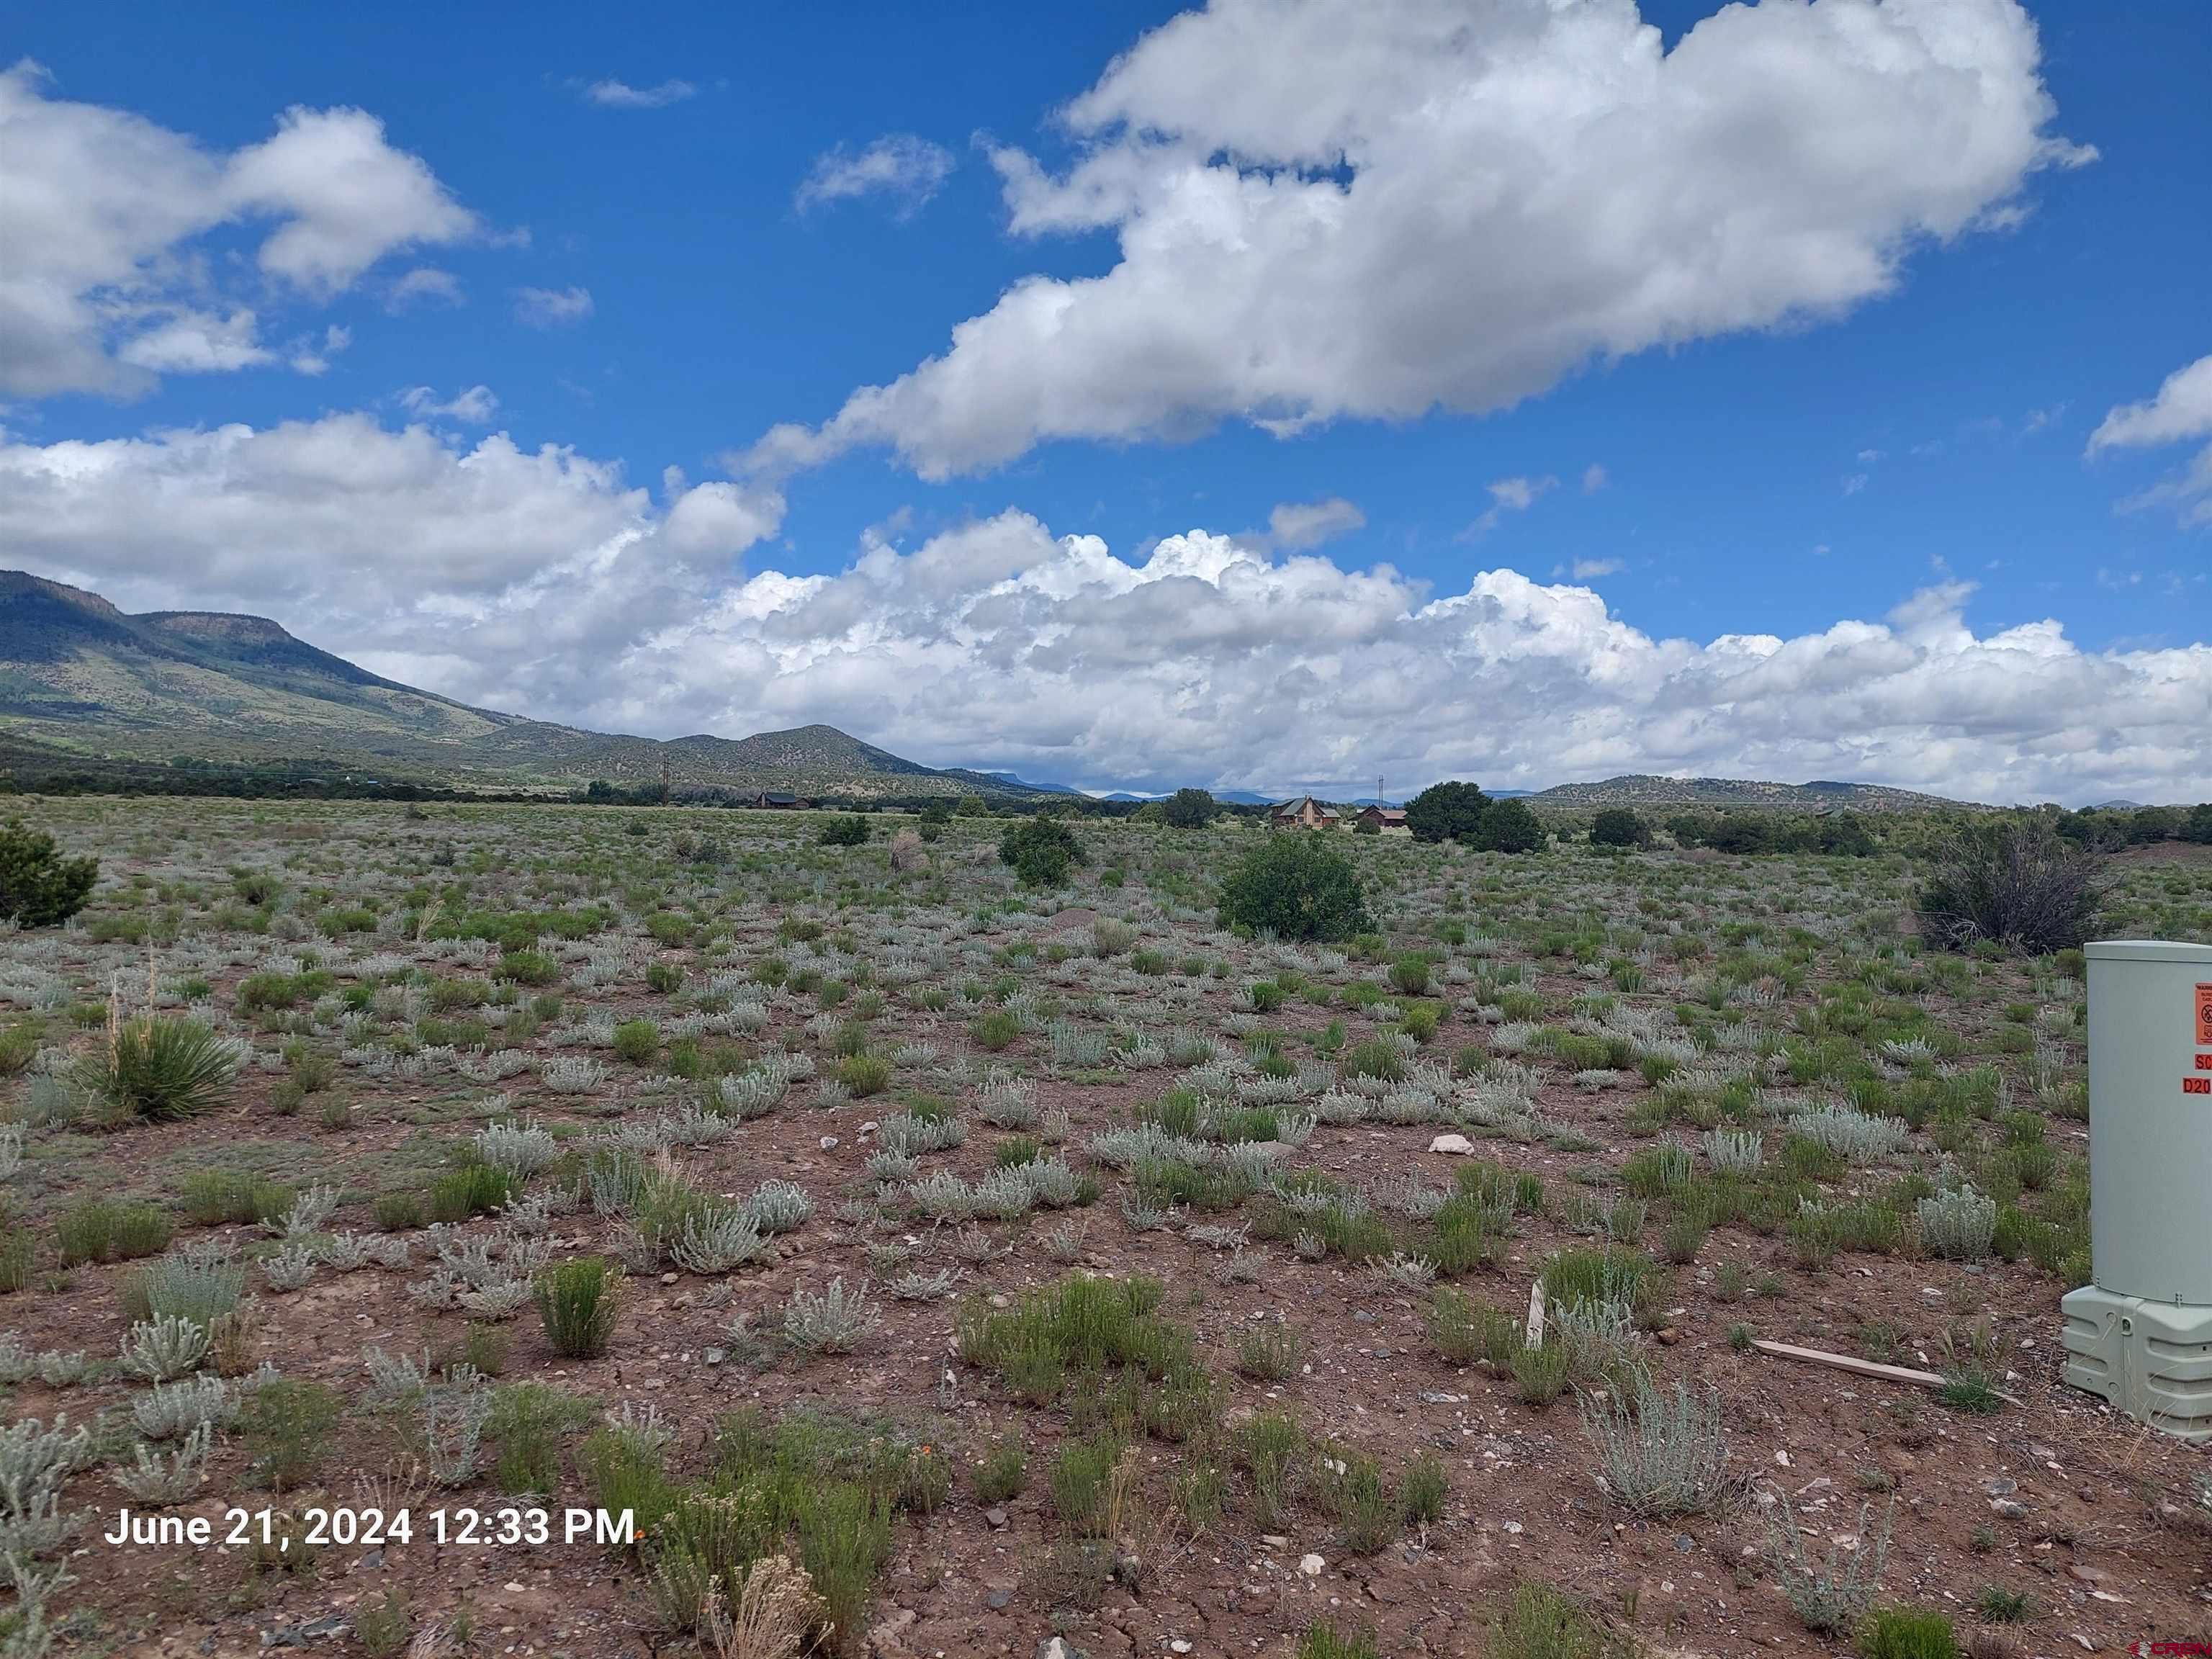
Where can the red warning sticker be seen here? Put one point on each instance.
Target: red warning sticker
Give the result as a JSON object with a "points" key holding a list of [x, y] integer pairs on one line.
{"points": [[2204, 1016]]}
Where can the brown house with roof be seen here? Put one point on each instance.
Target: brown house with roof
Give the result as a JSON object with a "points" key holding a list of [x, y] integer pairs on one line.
{"points": [[1390, 820], [1304, 812]]}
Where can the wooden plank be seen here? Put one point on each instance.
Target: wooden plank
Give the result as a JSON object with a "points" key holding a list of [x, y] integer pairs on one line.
{"points": [[1844, 1362]]}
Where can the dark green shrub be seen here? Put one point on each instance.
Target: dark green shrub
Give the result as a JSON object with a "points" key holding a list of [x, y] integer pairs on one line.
{"points": [[1619, 826], [100, 1230], [847, 830], [1295, 885], [1446, 811], [39, 888], [1508, 826], [1188, 809], [576, 1301], [663, 977], [1041, 852]]}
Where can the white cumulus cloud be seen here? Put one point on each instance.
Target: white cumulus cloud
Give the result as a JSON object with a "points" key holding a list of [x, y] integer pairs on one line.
{"points": [[100, 210], [1376, 208], [2181, 411], [543, 582]]}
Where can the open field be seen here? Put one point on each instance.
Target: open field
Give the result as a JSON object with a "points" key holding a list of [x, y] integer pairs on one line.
{"points": [[1024, 1262]]}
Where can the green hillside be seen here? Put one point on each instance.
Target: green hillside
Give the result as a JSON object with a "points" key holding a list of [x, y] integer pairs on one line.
{"points": [[80, 676]]}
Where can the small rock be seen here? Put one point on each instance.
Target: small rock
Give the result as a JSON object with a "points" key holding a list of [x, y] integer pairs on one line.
{"points": [[715, 1355], [1669, 1336], [995, 1516], [1458, 1145], [2011, 1508], [1274, 1541], [668, 1278], [828, 1141], [2086, 1575], [1684, 1541], [1311, 1564], [2041, 1454], [1178, 1646], [887, 1630], [2000, 1487], [999, 1600]]}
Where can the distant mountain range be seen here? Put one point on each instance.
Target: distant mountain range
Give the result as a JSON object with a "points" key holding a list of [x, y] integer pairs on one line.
{"points": [[78, 675], [80, 678]]}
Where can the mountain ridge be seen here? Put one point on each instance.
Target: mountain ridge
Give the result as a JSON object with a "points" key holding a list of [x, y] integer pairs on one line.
{"points": [[79, 675]]}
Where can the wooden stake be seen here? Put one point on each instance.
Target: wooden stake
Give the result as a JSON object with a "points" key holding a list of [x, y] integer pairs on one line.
{"points": [[1844, 1362], [1534, 1331]]}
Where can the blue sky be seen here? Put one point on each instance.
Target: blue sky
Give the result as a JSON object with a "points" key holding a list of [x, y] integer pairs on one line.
{"points": [[1766, 475]]}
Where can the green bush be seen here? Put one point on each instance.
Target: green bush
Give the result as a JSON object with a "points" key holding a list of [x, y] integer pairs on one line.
{"points": [[638, 1041], [845, 829], [472, 1190], [1907, 1633], [1446, 811], [576, 1301], [160, 1069], [865, 1074], [1508, 826], [1041, 852], [1296, 885], [1542, 1623], [1189, 809], [99, 1230], [1619, 826], [39, 888], [286, 1424], [995, 1029]]}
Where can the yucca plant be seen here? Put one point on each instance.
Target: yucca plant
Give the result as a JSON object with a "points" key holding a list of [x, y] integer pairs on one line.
{"points": [[159, 1068]]}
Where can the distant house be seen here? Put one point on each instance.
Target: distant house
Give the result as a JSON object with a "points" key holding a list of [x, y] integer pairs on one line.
{"points": [[1390, 820], [779, 802], [1304, 812]]}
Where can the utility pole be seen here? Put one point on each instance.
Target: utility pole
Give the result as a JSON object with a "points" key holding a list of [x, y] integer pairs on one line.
{"points": [[663, 780], [1378, 793]]}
